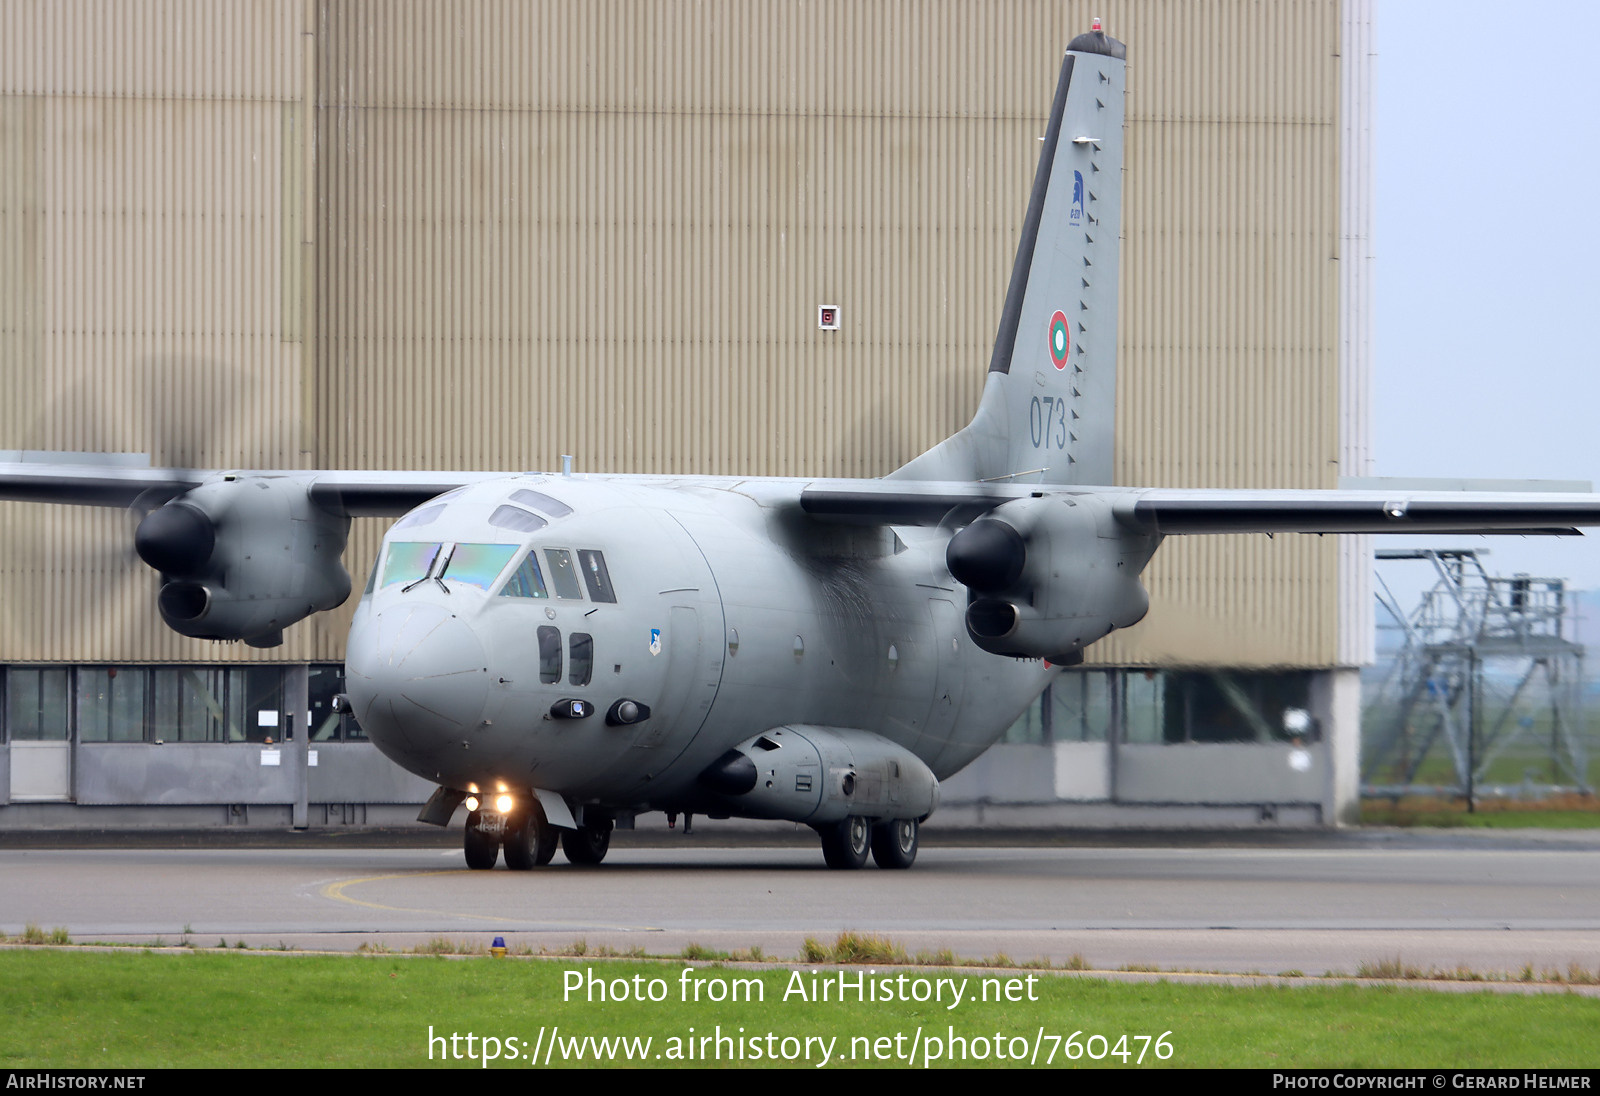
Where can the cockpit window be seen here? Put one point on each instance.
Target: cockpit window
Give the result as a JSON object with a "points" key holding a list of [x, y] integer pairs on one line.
{"points": [[420, 517], [515, 517], [408, 561], [477, 564], [595, 575], [541, 501], [562, 574], [526, 581]]}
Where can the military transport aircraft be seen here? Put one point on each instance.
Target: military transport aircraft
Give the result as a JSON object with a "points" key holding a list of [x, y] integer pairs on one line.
{"points": [[559, 652]]}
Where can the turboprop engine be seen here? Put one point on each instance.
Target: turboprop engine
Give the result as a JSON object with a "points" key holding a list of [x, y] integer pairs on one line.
{"points": [[243, 557], [1047, 576]]}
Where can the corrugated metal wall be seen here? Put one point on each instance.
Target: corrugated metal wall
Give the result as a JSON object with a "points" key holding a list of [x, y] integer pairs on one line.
{"points": [[604, 229], [141, 237]]}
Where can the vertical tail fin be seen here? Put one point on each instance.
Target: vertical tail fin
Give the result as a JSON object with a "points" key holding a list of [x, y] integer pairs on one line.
{"points": [[1049, 406]]}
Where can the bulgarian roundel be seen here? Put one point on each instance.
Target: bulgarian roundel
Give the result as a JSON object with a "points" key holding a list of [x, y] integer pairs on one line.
{"points": [[1060, 340]]}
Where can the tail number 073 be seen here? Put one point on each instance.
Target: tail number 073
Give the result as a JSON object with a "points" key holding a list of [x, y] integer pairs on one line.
{"points": [[1047, 422]]}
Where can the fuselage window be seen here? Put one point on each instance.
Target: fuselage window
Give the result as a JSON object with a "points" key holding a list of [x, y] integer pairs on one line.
{"points": [[549, 655], [477, 564], [562, 574], [595, 575], [527, 580], [408, 561], [580, 651], [541, 501], [515, 517]]}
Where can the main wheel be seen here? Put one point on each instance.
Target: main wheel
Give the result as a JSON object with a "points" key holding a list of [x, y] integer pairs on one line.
{"points": [[530, 839], [588, 843], [894, 842], [844, 844], [482, 848]]}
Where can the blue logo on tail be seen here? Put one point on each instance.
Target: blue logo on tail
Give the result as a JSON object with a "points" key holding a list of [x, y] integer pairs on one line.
{"points": [[1075, 217]]}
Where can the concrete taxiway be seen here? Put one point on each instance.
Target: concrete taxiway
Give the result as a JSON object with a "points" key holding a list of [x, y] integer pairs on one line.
{"points": [[1313, 903]]}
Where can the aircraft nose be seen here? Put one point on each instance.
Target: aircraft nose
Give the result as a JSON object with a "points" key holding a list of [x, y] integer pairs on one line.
{"points": [[416, 673]]}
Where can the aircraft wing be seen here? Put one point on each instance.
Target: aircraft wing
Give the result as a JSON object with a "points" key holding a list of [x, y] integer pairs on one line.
{"points": [[348, 493], [1173, 511]]}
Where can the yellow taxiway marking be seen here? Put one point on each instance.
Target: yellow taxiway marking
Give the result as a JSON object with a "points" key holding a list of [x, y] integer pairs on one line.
{"points": [[335, 891]]}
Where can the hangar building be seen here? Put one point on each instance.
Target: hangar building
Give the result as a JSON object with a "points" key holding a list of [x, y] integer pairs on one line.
{"points": [[440, 234]]}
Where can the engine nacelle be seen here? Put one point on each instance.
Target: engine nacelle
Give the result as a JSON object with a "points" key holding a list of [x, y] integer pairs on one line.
{"points": [[822, 774], [243, 557], [1047, 576]]}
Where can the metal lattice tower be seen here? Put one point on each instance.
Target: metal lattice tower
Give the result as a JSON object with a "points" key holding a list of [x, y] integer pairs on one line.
{"points": [[1485, 679]]}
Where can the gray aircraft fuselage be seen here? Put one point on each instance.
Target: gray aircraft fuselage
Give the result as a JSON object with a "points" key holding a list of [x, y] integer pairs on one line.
{"points": [[730, 618]]}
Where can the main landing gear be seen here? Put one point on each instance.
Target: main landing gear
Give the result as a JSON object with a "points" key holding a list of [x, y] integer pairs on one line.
{"points": [[529, 839], [892, 842]]}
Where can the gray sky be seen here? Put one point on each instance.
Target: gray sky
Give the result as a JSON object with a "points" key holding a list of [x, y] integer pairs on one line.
{"points": [[1488, 253]]}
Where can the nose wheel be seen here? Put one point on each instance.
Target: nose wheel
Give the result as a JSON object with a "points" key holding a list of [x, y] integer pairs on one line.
{"points": [[530, 839], [482, 845]]}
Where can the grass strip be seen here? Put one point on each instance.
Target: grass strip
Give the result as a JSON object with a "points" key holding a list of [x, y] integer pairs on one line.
{"points": [[224, 1008]]}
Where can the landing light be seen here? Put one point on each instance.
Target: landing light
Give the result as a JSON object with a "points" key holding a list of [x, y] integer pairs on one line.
{"points": [[504, 803], [471, 802]]}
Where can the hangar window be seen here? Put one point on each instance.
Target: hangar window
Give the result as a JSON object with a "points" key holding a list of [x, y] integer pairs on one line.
{"points": [[1217, 706], [1164, 706], [327, 725], [37, 709], [111, 704], [191, 704], [527, 580], [595, 575], [1178, 706], [1076, 707], [162, 704], [549, 655], [563, 576]]}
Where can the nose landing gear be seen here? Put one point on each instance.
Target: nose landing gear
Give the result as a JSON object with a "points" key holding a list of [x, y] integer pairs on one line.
{"points": [[529, 839], [524, 832]]}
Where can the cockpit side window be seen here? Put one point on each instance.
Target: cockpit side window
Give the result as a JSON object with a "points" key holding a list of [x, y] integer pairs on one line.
{"points": [[563, 575], [596, 576], [526, 580], [549, 655], [408, 561], [580, 649]]}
